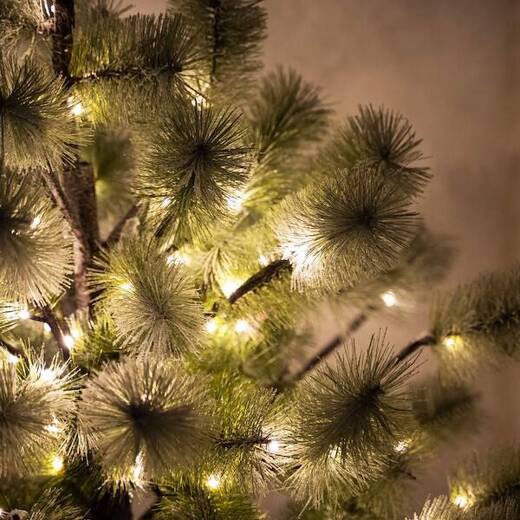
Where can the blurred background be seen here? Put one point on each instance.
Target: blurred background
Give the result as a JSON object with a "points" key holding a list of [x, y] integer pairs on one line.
{"points": [[453, 68]]}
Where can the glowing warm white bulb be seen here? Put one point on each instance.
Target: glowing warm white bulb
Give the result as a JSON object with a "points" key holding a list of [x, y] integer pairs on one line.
{"points": [[36, 221], [452, 342], [335, 453], [401, 446], [54, 427], [46, 327], [76, 332], [235, 202], [166, 202], [461, 501], [179, 258], [48, 375], [273, 446], [213, 482], [229, 286], [199, 100], [389, 298], [76, 108], [138, 468], [24, 314], [263, 260], [57, 463], [211, 326], [127, 286], [243, 326], [11, 358], [69, 341]]}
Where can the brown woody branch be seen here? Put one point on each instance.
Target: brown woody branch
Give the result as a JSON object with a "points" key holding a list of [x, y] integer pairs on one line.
{"points": [[260, 278], [331, 347], [56, 330], [115, 234]]}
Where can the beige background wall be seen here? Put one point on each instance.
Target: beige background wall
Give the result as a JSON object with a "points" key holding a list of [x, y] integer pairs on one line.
{"points": [[452, 67]]}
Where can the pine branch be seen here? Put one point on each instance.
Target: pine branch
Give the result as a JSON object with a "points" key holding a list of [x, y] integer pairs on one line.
{"points": [[115, 234], [62, 202], [12, 349], [331, 346], [62, 37], [260, 278], [56, 330], [412, 347]]}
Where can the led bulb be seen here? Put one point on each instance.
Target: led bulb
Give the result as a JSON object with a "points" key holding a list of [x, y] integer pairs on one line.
{"points": [[46, 327], [389, 298], [166, 202], [76, 332], [127, 286], [69, 341], [401, 446], [57, 463], [36, 221], [243, 327], [213, 482], [263, 260], [211, 326], [452, 342], [11, 358], [48, 375], [76, 108], [273, 446], [236, 202], [24, 314], [137, 469], [229, 286], [462, 501]]}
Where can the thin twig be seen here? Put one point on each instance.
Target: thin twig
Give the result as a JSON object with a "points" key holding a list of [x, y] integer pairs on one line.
{"points": [[62, 202], [12, 349], [412, 347], [56, 330], [116, 232], [331, 346], [260, 278]]}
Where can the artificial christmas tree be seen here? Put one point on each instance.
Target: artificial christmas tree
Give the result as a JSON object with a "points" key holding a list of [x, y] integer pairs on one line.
{"points": [[168, 223]]}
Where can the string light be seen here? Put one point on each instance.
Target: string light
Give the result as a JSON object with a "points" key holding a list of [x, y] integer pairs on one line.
{"points": [[24, 314], [401, 446], [236, 202], [54, 427], [46, 327], [48, 375], [36, 221], [335, 453], [199, 100], [166, 202], [243, 327], [389, 298], [69, 341], [127, 286], [273, 446], [138, 468], [76, 332], [263, 260], [229, 286], [213, 482], [57, 463], [462, 500], [11, 358], [76, 108], [452, 342], [211, 326]]}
